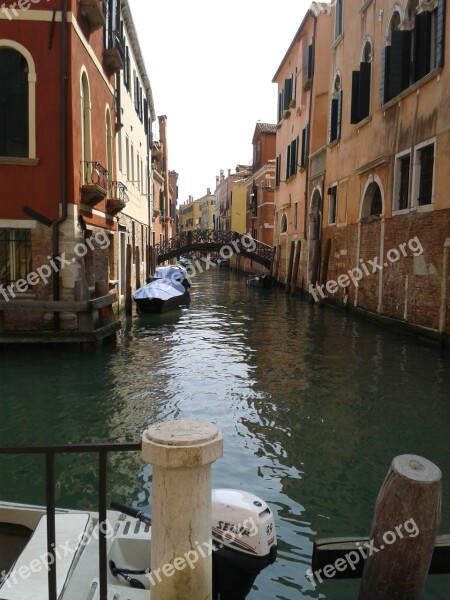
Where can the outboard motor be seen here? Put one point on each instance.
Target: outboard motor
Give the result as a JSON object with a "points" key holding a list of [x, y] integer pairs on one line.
{"points": [[245, 542]]}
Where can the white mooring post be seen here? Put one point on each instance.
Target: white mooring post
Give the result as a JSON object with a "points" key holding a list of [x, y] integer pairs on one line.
{"points": [[181, 453]]}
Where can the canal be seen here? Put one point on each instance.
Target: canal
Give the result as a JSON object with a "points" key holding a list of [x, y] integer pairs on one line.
{"points": [[313, 404]]}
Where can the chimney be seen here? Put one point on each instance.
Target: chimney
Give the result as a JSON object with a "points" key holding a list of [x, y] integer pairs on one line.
{"points": [[222, 176], [208, 191], [229, 172], [217, 181]]}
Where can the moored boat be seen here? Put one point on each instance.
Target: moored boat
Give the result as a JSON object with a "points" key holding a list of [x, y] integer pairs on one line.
{"points": [[243, 538], [167, 289]]}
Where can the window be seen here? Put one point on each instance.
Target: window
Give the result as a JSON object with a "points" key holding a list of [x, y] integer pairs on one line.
{"points": [[14, 109], [401, 181], [283, 224], [332, 204], [292, 158], [361, 83], [138, 162], [132, 165], [338, 20], [119, 150], [414, 47], [372, 204], [127, 155], [423, 175], [304, 153], [285, 96], [126, 71], [295, 215], [15, 255], [334, 132], [278, 171], [86, 148]]}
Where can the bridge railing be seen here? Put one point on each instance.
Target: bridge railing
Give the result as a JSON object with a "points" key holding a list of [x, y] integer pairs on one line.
{"points": [[215, 239]]}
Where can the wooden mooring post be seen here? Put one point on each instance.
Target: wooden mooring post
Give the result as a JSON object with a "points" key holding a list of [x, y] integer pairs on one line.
{"points": [[403, 547]]}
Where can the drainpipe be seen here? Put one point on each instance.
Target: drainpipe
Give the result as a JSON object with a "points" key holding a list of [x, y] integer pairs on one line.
{"points": [[63, 148]]}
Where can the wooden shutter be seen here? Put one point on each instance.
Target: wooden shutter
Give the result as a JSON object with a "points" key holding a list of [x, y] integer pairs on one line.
{"points": [[287, 93], [145, 115], [303, 153], [440, 33], [280, 106], [288, 162], [384, 75], [339, 115], [422, 45], [294, 156], [399, 64], [364, 90], [277, 170], [333, 119], [354, 105], [310, 62]]}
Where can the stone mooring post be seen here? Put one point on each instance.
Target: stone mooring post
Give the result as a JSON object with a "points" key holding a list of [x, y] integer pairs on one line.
{"points": [[181, 453]]}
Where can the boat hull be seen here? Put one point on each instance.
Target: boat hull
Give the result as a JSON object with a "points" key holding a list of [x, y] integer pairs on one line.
{"points": [[157, 305]]}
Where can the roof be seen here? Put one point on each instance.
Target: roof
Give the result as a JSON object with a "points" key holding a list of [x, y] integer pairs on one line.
{"points": [[264, 128], [314, 10]]}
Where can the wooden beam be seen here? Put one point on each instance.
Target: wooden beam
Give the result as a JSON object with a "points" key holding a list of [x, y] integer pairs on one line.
{"points": [[327, 551]]}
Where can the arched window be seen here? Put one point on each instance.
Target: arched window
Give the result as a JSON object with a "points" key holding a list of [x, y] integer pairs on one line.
{"points": [[283, 224], [86, 152], [361, 86], [414, 46], [334, 132], [372, 202], [17, 101]]}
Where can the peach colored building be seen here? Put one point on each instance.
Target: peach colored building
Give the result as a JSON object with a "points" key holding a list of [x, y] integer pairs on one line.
{"points": [[384, 201], [302, 80]]}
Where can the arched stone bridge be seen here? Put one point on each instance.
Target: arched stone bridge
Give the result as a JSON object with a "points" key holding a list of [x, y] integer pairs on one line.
{"points": [[214, 240]]}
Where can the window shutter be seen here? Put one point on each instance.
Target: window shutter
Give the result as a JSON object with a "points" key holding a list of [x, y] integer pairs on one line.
{"points": [[354, 108], [288, 162], [364, 90], [310, 63], [333, 119], [339, 115], [277, 170], [440, 33], [399, 64], [422, 45], [384, 75], [280, 106], [145, 116], [287, 93], [303, 154], [294, 156]]}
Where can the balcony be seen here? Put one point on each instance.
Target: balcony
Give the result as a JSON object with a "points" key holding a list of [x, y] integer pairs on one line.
{"points": [[117, 197], [92, 11], [114, 53], [95, 183]]}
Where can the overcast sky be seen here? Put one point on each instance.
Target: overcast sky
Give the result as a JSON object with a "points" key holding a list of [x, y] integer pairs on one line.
{"points": [[211, 66]]}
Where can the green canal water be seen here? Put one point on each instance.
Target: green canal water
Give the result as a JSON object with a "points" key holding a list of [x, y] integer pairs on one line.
{"points": [[313, 405]]}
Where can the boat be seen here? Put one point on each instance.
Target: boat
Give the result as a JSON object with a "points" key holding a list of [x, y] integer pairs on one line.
{"points": [[243, 538], [223, 262], [184, 262], [261, 280], [168, 288]]}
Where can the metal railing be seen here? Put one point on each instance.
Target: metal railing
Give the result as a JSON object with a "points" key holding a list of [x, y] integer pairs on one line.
{"points": [[118, 191], [95, 174], [212, 239], [102, 450]]}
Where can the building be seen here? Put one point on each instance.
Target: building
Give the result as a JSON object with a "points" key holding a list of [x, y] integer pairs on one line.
{"points": [[190, 214], [302, 81], [261, 184], [230, 207], [58, 214], [386, 208], [207, 210], [136, 113]]}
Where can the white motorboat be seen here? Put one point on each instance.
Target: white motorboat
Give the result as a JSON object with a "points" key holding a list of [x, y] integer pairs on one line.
{"points": [[243, 535], [167, 289]]}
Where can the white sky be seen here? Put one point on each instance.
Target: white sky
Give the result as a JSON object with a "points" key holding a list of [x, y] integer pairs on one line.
{"points": [[211, 66]]}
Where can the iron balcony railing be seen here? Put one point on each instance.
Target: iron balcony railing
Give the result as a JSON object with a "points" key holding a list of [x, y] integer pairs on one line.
{"points": [[101, 450], [118, 191], [95, 174]]}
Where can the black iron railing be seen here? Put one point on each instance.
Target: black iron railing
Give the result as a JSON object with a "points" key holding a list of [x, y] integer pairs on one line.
{"points": [[214, 239], [118, 191], [95, 174], [102, 450]]}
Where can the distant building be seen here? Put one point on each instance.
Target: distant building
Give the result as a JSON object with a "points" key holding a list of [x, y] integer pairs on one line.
{"points": [[224, 208], [189, 214]]}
